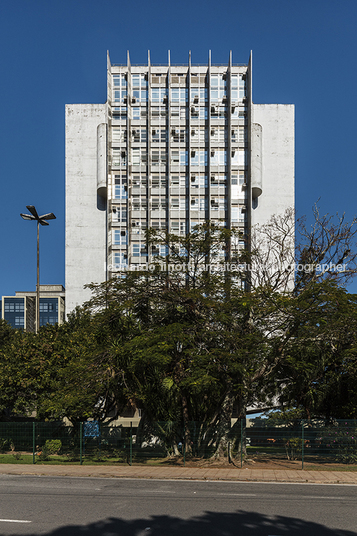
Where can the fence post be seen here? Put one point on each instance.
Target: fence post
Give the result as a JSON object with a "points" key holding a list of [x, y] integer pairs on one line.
{"points": [[131, 444], [241, 442], [302, 444], [80, 442], [33, 441]]}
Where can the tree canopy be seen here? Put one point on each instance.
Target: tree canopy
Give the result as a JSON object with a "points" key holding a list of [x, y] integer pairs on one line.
{"points": [[207, 331]]}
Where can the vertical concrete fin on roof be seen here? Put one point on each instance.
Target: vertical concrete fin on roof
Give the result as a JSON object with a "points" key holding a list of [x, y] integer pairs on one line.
{"points": [[127, 58], [149, 60], [250, 78]]}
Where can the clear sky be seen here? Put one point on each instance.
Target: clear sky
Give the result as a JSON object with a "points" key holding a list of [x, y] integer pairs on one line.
{"points": [[53, 52]]}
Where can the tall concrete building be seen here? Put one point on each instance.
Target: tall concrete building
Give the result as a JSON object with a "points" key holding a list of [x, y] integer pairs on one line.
{"points": [[174, 145]]}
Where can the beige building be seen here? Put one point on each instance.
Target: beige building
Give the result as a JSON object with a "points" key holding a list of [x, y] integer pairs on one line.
{"points": [[20, 310]]}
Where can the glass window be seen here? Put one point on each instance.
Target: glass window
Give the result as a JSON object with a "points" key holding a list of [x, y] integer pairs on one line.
{"points": [[120, 258], [234, 81], [199, 95], [120, 237], [241, 157], [118, 157], [179, 135], [179, 94], [158, 94], [136, 113], [135, 80]]}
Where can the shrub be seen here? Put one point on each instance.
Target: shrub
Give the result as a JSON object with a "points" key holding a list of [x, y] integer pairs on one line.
{"points": [[6, 444], [53, 446]]}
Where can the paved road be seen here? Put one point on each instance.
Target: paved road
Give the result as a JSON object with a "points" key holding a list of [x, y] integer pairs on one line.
{"points": [[61, 506]]}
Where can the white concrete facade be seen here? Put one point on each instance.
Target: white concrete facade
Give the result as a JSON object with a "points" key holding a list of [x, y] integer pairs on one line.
{"points": [[85, 209], [277, 160], [172, 147]]}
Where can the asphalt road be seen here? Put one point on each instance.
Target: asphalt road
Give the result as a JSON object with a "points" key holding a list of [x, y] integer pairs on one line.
{"points": [[60, 506]]}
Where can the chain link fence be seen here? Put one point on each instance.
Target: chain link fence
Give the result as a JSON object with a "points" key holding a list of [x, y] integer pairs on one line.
{"points": [[248, 441]]}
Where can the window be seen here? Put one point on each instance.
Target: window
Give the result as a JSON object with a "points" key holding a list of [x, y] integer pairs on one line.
{"points": [[159, 135], [241, 157], [203, 204], [139, 156], [158, 94], [19, 321], [218, 158], [119, 80], [198, 158], [158, 111], [158, 157], [118, 135], [120, 237], [178, 181], [119, 115], [159, 182], [120, 259], [179, 94], [242, 87], [199, 95], [218, 88], [179, 158], [198, 135], [178, 203], [118, 157], [198, 181], [139, 80], [218, 134], [139, 134], [120, 213], [120, 95], [120, 189], [139, 96], [178, 135]]}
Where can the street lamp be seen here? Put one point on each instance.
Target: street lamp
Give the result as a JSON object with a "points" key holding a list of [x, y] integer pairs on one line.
{"points": [[40, 220]]}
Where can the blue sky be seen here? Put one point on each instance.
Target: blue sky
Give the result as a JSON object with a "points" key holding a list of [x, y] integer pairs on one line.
{"points": [[54, 52]]}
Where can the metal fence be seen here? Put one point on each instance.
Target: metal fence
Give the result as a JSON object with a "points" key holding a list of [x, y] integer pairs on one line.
{"points": [[251, 441]]}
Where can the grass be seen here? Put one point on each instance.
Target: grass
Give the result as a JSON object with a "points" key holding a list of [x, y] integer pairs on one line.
{"points": [[267, 461]]}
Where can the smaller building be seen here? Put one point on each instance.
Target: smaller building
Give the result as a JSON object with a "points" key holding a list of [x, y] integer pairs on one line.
{"points": [[20, 310]]}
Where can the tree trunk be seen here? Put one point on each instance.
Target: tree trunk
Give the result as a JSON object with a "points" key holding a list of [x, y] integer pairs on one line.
{"points": [[224, 426], [186, 430]]}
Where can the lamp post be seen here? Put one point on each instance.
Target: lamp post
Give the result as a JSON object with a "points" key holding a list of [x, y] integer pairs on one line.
{"points": [[40, 220]]}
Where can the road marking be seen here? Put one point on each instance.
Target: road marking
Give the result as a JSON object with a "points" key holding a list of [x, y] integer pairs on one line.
{"points": [[237, 494], [14, 521]]}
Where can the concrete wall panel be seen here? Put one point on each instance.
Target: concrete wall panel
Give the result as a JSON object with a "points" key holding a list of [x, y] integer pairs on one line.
{"points": [[85, 217]]}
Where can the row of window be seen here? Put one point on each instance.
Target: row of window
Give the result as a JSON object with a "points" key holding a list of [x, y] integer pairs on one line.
{"points": [[218, 157], [141, 80], [160, 94], [160, 181], [159, 134], [197, 112], [14, 306], [157, 203]]}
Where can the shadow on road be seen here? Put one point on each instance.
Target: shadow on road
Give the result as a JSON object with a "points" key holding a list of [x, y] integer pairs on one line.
{"points": [[210, 524]]}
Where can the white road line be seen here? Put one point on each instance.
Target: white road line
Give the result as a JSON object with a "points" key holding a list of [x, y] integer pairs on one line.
{"points": [[237, 494], [14, 521]]}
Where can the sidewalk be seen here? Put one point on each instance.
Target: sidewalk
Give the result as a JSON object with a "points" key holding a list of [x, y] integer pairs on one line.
{"points": [[183, 473]]}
